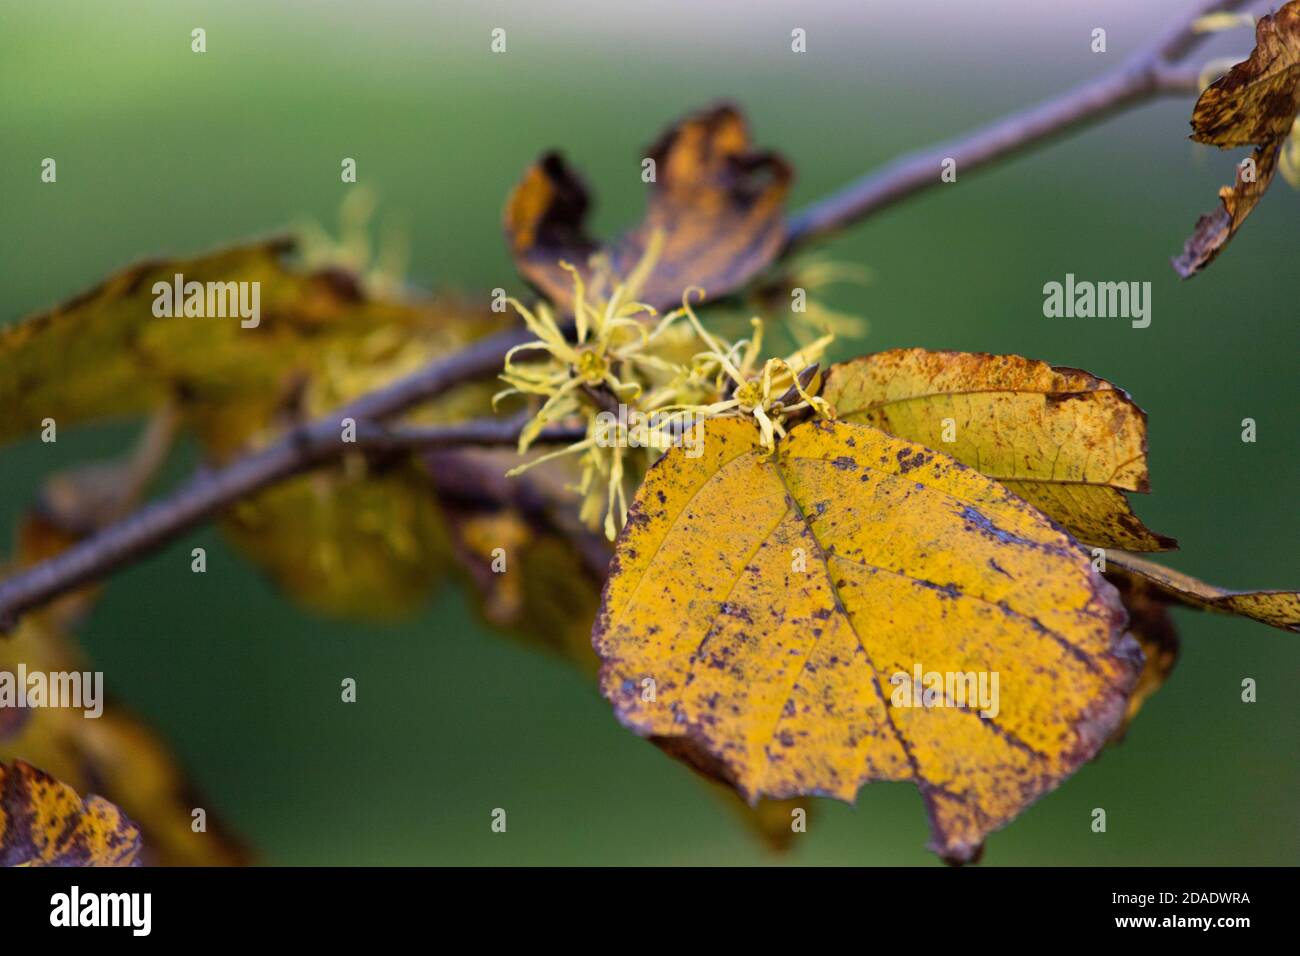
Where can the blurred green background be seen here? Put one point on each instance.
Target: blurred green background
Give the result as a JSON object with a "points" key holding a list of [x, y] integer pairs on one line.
{"points": [[162, 151]]}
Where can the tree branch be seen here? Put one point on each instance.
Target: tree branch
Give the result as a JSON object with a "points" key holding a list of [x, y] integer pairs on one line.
{"points": [[1150, 72], [210, 491], [1147, 73]]}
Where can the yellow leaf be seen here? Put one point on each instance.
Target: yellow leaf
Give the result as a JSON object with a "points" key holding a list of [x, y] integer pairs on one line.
{"points": [[1067, 442], [360, 544], [115, 754], [1279, 609], [783, 603], [44, 823], [319, 341], [104, 353]]}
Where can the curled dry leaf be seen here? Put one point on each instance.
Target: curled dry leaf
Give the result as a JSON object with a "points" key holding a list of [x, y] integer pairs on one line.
{"points": [[1214, 230], [1067, 442], [1256, 101], [44, 823], [1279, 609], [715, 201], [775, 600], [1253, 104]]}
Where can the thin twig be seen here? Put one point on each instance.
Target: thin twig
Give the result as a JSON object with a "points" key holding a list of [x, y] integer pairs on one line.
{"points": [[1150, 72]]}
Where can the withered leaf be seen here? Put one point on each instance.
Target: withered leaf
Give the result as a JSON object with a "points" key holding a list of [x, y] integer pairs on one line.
{"points": [[1256, 101], [44, 823], [715, 201], [115, 754], [1253, 104], [782, 603], [1214, 230], [1279, 609], [1066, 441]]}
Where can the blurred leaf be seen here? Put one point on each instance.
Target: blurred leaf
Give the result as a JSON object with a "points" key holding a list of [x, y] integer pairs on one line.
{"points": [[319, 342], [1253, 104], [1279, 609], [362, 543], [716, 202], [771, 597], [44, 823], [1256, 101], [1218, 22], [534, 568], [105, 354], [1067, 442], [363, 538]]}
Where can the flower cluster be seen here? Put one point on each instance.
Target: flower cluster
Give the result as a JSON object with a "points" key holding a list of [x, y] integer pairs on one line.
{"points": [[668, 370]]}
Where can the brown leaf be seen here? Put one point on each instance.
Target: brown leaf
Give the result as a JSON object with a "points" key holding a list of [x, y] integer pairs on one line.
{"points": [[716, 202], [1279, 609], [44, 823], [1253, 104], [1215, 229], [1256, 101], [546, 592]]}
